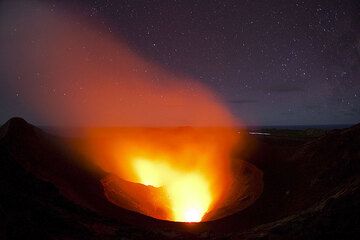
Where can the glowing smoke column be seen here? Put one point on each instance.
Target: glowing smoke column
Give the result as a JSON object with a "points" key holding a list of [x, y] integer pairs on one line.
{"points": [[73, 73]]}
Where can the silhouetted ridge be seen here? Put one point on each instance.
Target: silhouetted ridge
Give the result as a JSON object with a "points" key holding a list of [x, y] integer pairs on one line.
{"points": [[354, 128], [16, 127], [51, 159]]}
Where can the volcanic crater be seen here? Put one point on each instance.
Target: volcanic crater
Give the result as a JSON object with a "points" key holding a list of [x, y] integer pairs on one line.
{"points": [[293, 185]]}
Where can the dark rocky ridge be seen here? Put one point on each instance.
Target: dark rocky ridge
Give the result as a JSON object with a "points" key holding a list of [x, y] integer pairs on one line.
{"points": [[45, 192], [311, 191]]}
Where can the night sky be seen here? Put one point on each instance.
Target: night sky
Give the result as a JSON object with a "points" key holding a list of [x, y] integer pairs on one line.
{"points": [[272, 62]]}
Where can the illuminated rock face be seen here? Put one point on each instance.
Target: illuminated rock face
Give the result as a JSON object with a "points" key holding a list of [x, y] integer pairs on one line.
{"points": [[188, 205], [176, 174]]}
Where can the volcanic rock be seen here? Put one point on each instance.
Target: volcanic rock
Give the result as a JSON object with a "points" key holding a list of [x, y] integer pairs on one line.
{"points": [[311, 191]]}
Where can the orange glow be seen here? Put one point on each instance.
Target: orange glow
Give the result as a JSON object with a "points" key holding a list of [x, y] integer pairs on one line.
{"points": [[188, 192], [190, 197], [91, 78], [190, 167]]}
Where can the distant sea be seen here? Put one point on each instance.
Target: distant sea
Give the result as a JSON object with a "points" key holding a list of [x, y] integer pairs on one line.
{"points": [[300, 127], [79, 131]]}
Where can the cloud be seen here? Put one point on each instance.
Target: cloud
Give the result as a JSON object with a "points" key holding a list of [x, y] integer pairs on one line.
{"points": [[242, 101], [284, 88], [312, 107], [288, 113], [353, 112], [281, 87]]}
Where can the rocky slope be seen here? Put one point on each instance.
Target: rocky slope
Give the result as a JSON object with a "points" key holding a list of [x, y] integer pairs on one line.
{"points": [[311, 191]]}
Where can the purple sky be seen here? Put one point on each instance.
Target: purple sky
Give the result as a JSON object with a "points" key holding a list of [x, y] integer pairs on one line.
{"points": [[272, 62]]}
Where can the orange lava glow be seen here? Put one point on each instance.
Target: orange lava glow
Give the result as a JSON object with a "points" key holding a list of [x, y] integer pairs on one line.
{"points": [[94, 79], [188, 192], [190, 167]]}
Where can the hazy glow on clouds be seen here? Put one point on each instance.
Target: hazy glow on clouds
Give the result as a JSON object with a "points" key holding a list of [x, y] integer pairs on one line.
{"points": [[70, 73]]}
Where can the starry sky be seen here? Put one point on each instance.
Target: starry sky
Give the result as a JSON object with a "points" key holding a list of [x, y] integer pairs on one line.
{"points": [[279, 62]]}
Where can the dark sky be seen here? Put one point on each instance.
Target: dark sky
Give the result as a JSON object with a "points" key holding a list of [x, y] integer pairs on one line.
{"points": [[273, 62]]}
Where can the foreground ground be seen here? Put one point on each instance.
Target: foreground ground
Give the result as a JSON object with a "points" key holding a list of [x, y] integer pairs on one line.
{"points": [[311, 191]]}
